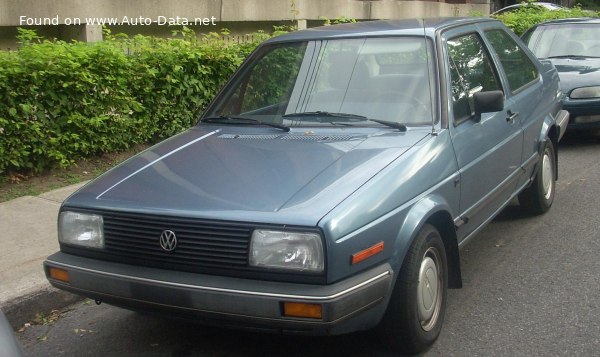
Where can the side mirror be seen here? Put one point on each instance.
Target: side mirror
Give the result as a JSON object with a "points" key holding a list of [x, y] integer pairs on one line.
{"points": [[488, 102]]}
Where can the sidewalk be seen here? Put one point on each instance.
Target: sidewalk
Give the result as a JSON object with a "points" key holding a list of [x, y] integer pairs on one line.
{"points": [[28, 235]]}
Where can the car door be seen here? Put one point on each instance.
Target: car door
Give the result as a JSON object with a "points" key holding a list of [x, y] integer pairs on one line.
{"points": [[524, 92], [488, 146]]}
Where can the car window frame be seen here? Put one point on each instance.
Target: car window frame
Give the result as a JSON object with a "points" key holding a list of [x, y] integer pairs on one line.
{"points": [[435, 71], [242, 73], [529, 54], [461, 32]]}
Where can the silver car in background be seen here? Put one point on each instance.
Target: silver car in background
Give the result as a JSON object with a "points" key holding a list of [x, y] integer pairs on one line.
{"points": [[9, 346]]}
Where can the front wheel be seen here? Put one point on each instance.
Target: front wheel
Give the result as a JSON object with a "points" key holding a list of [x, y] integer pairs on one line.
{"points": [[538, 197], [413, 319]]}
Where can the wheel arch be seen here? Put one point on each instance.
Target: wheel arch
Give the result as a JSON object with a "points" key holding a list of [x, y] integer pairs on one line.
{"points": [[435, 211], [443, 222], [551, 131]]}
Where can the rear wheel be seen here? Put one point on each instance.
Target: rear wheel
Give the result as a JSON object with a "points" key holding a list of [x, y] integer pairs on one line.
{"points": [[538, 197], [415, 313]]}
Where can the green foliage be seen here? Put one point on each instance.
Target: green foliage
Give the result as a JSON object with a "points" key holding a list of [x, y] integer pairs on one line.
{"points": [[63, 101], [25, 37], [522, 19], [476, 13], [337, 20]]}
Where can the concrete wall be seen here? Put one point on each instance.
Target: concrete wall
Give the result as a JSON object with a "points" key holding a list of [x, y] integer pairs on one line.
{"points": [[72, 19], [13, 12]]}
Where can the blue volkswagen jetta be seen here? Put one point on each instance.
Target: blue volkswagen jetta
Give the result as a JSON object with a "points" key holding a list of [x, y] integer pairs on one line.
{"points": [[329, 185]]}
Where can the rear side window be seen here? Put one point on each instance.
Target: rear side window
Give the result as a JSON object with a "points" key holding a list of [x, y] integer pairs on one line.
{"points": [[519, 69], [471, 71]]}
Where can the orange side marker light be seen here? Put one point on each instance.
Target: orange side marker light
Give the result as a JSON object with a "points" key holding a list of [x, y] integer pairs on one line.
{"points": [[59, 274], [367, 253], [299, 309]]}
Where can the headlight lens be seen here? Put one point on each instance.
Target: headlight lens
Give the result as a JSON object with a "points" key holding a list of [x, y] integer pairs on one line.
{"points": [[81, 229], [287, 250], [585, 92]]}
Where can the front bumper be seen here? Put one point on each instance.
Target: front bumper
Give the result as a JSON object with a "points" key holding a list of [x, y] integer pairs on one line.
{"points": [[562, 120], [353, 304], [583, 108]]}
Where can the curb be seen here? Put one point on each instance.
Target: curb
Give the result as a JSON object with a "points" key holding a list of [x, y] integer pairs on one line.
{"points": [[36, 297], [23, 309]]}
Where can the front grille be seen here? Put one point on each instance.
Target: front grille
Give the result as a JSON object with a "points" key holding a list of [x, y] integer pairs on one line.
{"points": [[203, 246], [200, 244]]}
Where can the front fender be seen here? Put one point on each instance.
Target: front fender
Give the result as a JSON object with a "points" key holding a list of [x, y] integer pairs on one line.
{"points": [[418, 215]]}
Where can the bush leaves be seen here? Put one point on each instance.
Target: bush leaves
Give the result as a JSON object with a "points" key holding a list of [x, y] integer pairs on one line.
{"points": [[63, 101]]}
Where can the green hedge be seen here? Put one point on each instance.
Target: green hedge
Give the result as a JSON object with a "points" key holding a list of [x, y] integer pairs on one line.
{"points": [[524, 18], [63, 101]]}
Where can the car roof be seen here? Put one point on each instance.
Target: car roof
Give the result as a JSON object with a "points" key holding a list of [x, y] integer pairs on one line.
{"points": [[379, 28]]}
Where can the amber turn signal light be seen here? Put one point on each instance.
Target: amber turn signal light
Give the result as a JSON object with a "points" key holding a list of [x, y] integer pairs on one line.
{"points": [[298, 309], [59, 274], [367, 253]]}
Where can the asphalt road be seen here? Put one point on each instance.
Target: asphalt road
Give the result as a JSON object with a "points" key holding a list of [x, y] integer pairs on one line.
{"points": [[531, 288]]}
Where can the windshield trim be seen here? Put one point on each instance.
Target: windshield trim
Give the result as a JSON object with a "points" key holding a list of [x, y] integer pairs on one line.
{"points": [[433, 75]]}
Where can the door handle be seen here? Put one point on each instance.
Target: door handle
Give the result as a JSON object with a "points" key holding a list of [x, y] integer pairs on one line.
{"points": [[511, 116]]}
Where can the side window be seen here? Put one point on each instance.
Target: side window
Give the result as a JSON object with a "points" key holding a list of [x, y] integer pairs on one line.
{"points": [[519, 69], [471, 71]]}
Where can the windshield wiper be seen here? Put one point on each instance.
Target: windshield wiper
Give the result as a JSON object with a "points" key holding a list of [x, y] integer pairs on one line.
{"points": [[352, 117], [392, 124], [231, 119], [325, 114], [572, 56]]}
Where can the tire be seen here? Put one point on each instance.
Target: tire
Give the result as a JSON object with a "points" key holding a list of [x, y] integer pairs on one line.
{"points": [[413, 320], [538, 197]]}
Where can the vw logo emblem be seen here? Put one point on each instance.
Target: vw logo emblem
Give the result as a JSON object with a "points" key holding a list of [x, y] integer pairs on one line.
{"points": [[168, 240]]}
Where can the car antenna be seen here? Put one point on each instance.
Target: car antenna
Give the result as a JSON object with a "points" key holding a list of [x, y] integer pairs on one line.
{"points": [[433, 132]]}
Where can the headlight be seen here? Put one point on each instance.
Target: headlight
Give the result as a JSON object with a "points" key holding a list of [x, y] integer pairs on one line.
{"points": [[585, 92], [287, 250], [81, 229]]}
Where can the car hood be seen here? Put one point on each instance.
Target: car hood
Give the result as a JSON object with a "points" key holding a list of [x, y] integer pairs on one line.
{"points": [[261, 176], [577, 72]]}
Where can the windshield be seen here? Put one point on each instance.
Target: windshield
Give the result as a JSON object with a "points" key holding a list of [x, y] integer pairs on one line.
{"points": [[566, 40], [334, 82]]}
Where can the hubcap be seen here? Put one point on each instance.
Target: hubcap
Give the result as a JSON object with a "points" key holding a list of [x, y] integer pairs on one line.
{"points": [[547, 176], [429, 296]]}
